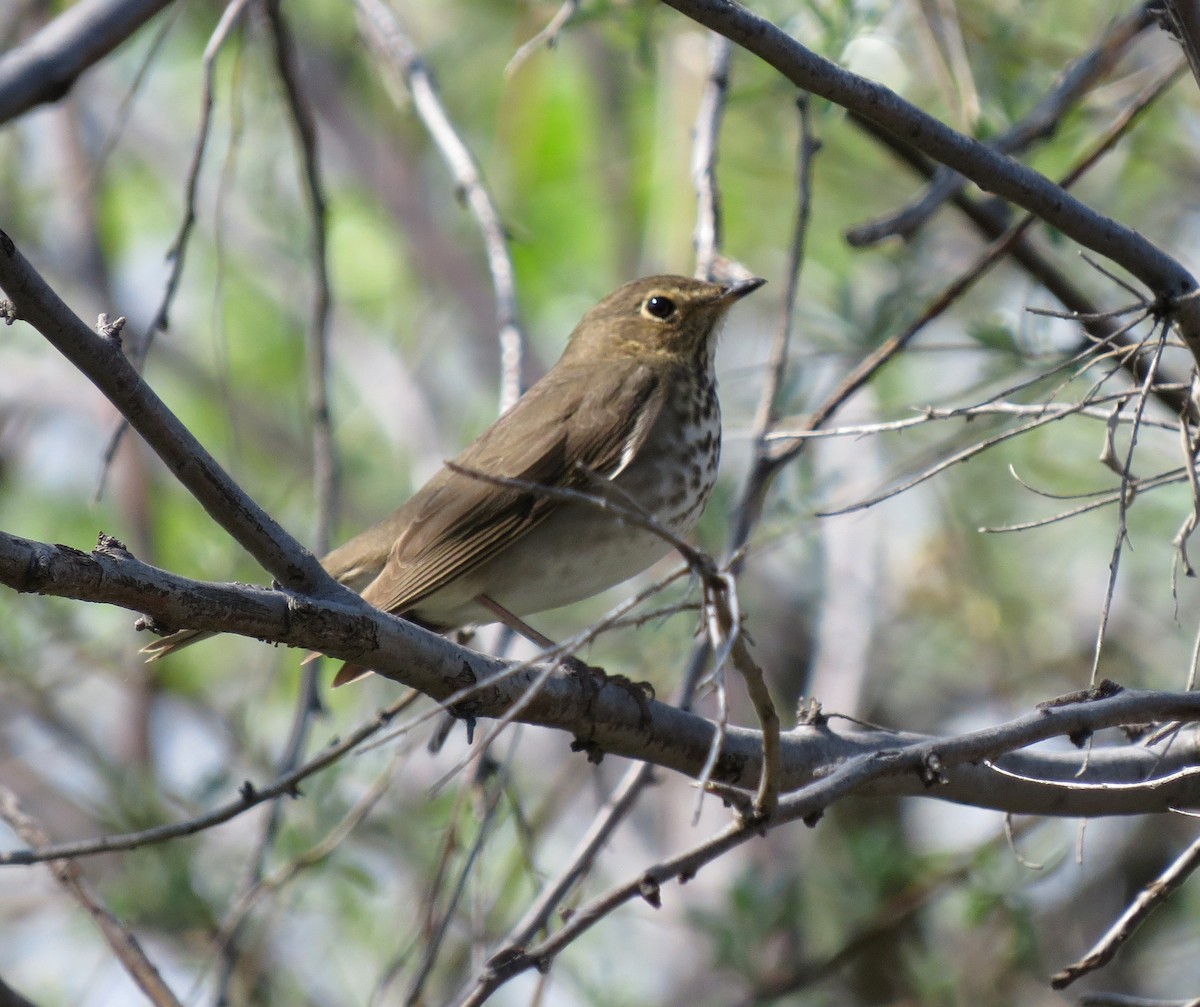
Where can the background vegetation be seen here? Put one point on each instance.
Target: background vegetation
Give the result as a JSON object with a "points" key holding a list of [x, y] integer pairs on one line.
{"points": [[904, 613]]}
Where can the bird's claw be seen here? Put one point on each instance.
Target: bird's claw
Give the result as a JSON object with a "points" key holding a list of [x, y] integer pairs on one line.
{"points": [[595, 678]]}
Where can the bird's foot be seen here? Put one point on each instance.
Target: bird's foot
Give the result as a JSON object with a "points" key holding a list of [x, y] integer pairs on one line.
{"points": [[594, 679]]}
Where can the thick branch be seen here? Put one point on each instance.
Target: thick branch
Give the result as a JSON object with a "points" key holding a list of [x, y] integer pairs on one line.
{"points": [[1109, 781]]}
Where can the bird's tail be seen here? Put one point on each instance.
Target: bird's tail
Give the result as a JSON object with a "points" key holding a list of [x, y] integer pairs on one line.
{"points": [[176, 641]]}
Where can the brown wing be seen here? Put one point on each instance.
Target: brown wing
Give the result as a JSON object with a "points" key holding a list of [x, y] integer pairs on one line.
{"points": [[456, 522]]}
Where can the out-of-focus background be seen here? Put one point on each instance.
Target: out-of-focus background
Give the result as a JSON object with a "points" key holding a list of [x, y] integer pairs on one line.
{"points": [[904, 613]]}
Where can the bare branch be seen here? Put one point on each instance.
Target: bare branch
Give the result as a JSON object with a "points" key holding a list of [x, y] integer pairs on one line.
{"points": [[249, 796], [118, 936], [612, 721], [931, 762], [1042, 121], [547, 37], [706, 236], [103, 363], [45, 67], [765, 464], [969, 276], [1182, 19], [177, 253], [993, 172], [579, 863], [384, 33], [1135, 914]]}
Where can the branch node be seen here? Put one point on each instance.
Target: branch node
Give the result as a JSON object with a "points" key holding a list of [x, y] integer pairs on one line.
{"points": [[932, 772], [650, 891], [110, 545], [809, 713], [594, 753], [110, 329], [1104, 689]]}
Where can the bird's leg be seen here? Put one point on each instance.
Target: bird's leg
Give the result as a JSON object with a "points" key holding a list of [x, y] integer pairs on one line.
{"points": [[515, 623], [642, 692]]}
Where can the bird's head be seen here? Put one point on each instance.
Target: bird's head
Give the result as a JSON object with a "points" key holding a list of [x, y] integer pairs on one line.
{"points": [[671, 316]]}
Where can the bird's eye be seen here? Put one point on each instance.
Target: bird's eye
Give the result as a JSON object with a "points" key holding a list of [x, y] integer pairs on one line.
{"points": [[659, 307]]}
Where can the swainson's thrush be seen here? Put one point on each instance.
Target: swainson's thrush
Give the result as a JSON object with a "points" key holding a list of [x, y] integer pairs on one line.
{"points": [[632, 399]]}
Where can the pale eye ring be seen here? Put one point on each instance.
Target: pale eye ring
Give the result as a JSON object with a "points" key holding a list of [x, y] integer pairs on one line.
{"points": [[659, 306]]}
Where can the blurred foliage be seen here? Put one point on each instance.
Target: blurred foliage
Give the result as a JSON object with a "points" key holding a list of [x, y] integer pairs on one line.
{"points": [[904, 613]]}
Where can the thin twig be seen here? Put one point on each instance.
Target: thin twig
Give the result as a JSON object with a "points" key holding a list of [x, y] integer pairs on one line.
{"points": [[311, 857], [706, 236], [932, 414], [1042, 120], [550, 655], [1171, 477], [546, 38], [930, 761], [608, 498], [991, 220], [1004, 177], [383, 32], [1135, 914], [966, 454], [581, 859], [764, 466], [497, 782], [726, 636], [324, 453], [1180, 541], [106, 366], [1128, 482], [177, 251], [249, 797], [799, 973], [967, 278], [119, 937]]}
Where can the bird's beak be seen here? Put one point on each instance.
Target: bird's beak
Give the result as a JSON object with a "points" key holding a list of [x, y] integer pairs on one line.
{"points": [[738, 289]]}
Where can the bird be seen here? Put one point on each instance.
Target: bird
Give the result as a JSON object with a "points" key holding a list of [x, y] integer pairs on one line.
{"points": [[631, 401]]}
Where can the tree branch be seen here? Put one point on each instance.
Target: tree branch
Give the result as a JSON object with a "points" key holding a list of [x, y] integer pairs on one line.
{"points": [[991, 171], [1108, 781], [44, 67], [102, 361]]}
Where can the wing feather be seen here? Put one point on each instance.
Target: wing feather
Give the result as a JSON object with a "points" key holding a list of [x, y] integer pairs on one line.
{"points": [[456, 522]]}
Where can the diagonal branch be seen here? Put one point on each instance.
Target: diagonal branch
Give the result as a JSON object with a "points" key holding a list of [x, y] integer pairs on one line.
{"points": [[1042, 121], [993, 172], [125, 946], [45, 67], [103, 363]]}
